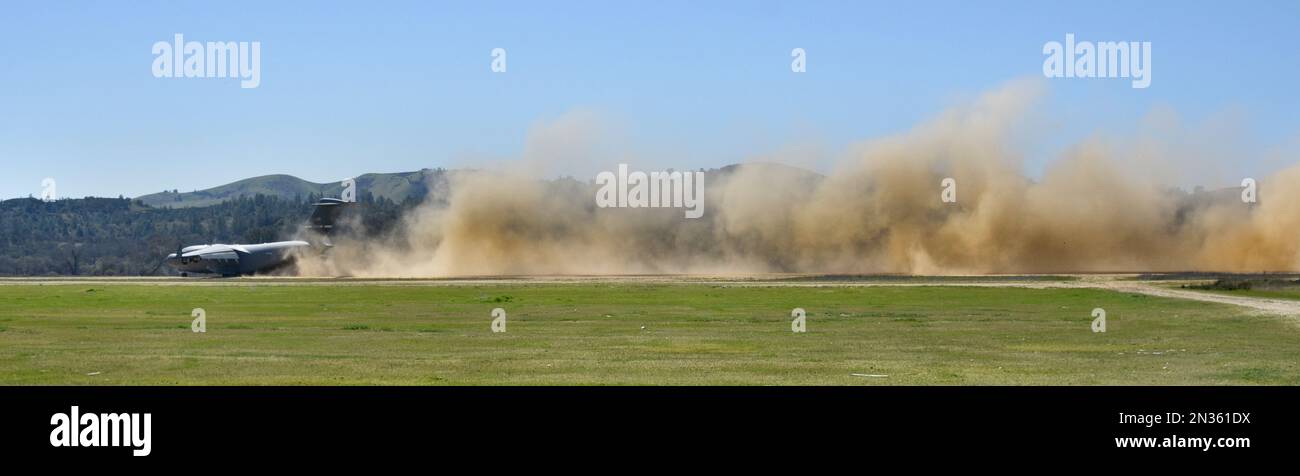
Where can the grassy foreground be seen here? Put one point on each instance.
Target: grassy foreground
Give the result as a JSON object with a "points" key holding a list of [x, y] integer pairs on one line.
{"points": [[592, 333]]}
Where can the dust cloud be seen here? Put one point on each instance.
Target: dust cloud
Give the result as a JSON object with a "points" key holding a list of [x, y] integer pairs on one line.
{"points": [[1101, 206]]}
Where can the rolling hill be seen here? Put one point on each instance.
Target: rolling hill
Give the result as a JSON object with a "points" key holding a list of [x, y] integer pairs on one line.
{"points": [[397, 187]]}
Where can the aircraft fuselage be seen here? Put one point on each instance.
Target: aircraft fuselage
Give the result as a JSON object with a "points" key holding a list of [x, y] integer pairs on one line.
{"points": [[234, 260]]}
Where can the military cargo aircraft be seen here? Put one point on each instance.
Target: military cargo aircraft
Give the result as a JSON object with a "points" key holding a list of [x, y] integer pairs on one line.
{"points": [[237, 260]]}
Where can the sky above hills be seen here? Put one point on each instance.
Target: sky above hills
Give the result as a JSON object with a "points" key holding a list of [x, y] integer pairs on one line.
{"points": [[353, 87]]}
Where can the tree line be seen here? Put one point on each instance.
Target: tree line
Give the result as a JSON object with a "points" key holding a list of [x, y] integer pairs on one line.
{"points": [[124, 237]]}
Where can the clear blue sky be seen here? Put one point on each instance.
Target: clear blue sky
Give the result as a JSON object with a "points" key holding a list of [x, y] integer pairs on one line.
{"points": [[374, 86]]}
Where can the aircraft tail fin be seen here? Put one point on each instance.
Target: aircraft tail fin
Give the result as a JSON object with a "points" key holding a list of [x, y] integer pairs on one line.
{"points": [[327, 213]]}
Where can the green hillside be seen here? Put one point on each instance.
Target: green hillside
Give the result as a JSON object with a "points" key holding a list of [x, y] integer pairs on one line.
{"points": [[397, 187]]}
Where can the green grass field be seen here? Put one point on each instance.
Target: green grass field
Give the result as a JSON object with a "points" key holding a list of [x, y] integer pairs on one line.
{"points": [[591, 333]]}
